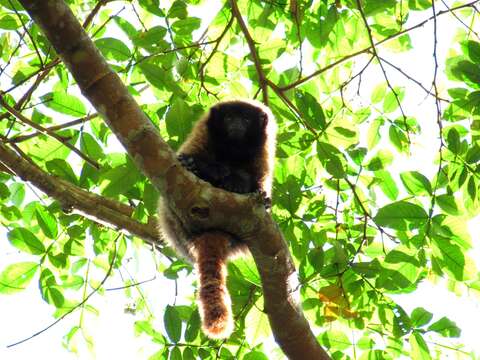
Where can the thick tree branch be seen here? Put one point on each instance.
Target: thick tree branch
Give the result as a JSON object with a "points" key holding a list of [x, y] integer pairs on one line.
{"points": [[93, 206], [241, 215]]}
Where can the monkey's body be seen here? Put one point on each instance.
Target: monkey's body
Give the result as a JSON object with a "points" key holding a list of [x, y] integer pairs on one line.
{"points": [[231, 147]]}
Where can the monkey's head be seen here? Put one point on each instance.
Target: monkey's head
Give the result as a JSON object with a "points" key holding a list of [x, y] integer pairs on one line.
{"points": [[238, 128]]}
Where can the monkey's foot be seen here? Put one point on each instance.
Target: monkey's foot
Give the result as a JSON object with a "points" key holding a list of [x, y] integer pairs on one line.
{"points": [[263, 197]]}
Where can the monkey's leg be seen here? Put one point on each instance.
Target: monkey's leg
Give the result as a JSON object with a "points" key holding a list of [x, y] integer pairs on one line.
{"points": [[214, 300]]}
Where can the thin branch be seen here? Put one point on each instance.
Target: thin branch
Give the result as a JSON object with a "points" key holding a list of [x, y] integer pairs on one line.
{"points": [[375, 53], [80, 304], [20, 138], [217, 42], [28, 33], [45, 131], [253, 51], [131, 285], [439, 124], [412, 79], [469, 28]]}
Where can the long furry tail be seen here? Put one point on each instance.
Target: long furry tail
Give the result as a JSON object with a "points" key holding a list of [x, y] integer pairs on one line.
{"points": [[214, 300]]}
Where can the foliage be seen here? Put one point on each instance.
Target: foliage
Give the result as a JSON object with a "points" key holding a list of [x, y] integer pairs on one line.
{"points": [[364, 219]]}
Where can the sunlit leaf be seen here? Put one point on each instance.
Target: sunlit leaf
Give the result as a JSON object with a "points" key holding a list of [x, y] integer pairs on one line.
{"points": [[16, 277]]}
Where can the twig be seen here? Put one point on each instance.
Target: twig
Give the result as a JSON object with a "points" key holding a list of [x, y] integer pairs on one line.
{"points": [[375, 53], [253, 51], [21, 138], [131, 285], [439, 124], [217, 42], [28, 33], [43, 130], [412, 79]]}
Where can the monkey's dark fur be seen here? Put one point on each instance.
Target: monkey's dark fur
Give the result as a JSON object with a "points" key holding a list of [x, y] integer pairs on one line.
{"points": [[232, 147]]}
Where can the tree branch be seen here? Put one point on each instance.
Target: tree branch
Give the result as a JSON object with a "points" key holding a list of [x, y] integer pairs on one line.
{"points": [[262, 80], [241, 215], [93, 206]]}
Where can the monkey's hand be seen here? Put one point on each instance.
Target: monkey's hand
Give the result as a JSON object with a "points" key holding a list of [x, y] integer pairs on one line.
{"points": [[212, 172]]}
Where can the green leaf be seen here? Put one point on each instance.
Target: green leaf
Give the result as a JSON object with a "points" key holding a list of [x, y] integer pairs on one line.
{"points": [[255, 355], [310, 109], [193, 327], [248, 270], [50, 290], [90, 147], [473, 154], [186, 26], [8, 22], [179, 119], [17, 192], [47, 222], [113, 49], [172, 323], [468, 72], [473, 50], [420, 317], [16, 277], [416, 183], [178, 10], [387, 184], [445, 327], [398, 138], [64, 103], [151, 40], [373, 135], [380, 161], [258, 329], [419, 4], [451, 258], [378, 93], [334, 167], [119, 180], [419, 347], [448, 204], [316, 258], [472, 188], [175, 354], [401, 215], [61, 168], [335, 339], [453, 140], [25, 241], [4, 192], [393, 100]]}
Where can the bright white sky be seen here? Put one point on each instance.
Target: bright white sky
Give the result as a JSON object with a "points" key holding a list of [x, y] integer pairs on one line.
{"points": [[25, 313]]}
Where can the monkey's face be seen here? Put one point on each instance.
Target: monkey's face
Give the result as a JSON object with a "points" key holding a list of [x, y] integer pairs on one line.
{"points": [[237, 128]]}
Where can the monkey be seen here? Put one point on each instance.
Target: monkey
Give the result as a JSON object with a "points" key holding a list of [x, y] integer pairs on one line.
{"points": [[233, 148]]}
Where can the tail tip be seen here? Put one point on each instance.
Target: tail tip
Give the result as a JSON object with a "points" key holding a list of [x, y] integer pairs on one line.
{"points": [[219, 328]]}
